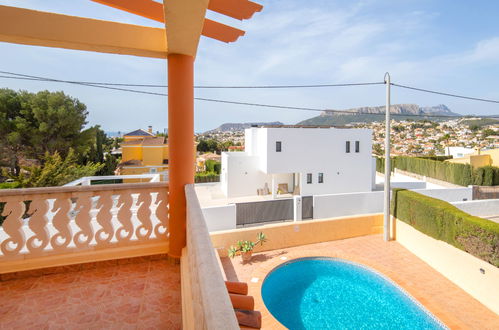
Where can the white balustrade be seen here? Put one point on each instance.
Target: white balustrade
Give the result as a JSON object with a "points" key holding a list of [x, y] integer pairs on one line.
{"points": [[55, 221]]}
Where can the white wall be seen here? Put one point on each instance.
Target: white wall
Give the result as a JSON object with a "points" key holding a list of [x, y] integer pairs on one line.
{"points": [[241, 176], [338, 205], [458, 266], [220, 217], [448, 194], [408, 184], [310, 150], [458, 152], [479, 208]]}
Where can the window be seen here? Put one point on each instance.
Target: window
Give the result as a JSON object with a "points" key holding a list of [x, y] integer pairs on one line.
{"points": [[309, 178], [348, 147], [278, 145], [153, 170], [321, 177], [357, 146]]}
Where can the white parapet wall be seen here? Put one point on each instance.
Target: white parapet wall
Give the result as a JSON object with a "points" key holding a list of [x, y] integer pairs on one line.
{"points": [[339, 205], [479, 208], [220, 217], [449, 194], [475, 276]]}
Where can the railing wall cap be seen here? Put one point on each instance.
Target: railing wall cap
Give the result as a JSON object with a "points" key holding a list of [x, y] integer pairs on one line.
{"points": [[72, 189]]}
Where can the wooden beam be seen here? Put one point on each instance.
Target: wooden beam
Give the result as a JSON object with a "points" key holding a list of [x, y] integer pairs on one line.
{"points": [[185, 23], [238, 9], [145, 8], [154, 10], [30, 27]]}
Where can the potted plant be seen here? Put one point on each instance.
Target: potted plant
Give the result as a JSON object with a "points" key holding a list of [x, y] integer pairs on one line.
{"points": [[245, 248]]}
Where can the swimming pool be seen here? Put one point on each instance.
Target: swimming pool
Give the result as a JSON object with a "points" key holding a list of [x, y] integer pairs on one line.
{"points": [[330, 293]]}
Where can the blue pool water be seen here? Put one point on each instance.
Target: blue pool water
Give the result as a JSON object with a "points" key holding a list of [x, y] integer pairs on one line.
{"points": [[330, 293]]}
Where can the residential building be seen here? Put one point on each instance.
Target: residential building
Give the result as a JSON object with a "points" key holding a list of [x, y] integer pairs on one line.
{"points": [[143, 152], [299, 160], [479, 158], [458, 152]]}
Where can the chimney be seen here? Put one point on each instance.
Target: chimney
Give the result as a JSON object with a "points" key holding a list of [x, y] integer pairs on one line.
{"points": [[149, 129]]}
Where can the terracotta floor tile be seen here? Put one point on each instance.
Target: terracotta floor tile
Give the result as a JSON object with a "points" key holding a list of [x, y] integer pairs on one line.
{"points": [[111, 295]]}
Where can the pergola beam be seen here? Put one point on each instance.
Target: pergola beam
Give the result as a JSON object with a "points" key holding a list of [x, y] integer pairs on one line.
{"points": [[185, 20], [238, 9], [154, 10], [31, 27]]}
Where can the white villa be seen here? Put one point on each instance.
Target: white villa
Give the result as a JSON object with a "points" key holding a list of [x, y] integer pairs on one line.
{"points": [[302, 160]]}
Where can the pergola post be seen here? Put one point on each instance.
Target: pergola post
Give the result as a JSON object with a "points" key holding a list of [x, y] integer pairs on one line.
{"points": [[180, 144]]}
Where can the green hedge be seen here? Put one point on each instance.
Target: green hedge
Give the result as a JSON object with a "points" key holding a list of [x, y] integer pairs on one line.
{"points": [[486, 176], [443, 221], [460, 174], [380, 164], [206, 177], [10, 185], [213, 166]]}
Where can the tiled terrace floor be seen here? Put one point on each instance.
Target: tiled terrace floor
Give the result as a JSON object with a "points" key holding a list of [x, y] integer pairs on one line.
{"points": [[139, 293], [452, 305]]}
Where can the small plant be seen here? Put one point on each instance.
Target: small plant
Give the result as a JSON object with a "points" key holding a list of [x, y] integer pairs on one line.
{"points": [[246, 247]]}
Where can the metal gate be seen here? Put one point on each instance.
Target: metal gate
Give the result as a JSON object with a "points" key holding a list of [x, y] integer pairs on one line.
{"points": [[307, 207], [272, 210], [266, 211]]}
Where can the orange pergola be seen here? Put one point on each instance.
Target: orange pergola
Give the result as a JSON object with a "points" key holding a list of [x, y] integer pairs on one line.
{"points": [[185, 22]]}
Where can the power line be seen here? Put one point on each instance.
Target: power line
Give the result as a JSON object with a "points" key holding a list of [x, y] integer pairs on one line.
{"points": [[99, 85], [445, 94], [37, 78], [293, 86], [200, 87]]}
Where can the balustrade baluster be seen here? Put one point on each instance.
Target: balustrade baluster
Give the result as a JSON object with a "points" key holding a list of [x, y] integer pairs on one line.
{"points": [[162, 214], [104, 235], [83, 206], [125, 202], [38, 224], [14, 211], [144, 230], [61, 207]]}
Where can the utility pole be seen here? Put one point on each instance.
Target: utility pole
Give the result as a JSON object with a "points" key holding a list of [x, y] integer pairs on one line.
{"points": [[386, 227]]}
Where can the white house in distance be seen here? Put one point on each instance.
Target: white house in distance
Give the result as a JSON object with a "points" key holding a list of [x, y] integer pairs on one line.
{"points": [[309, 160]]}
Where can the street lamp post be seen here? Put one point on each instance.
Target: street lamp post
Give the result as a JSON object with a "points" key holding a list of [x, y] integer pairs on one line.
{"points": [[386, 227]]}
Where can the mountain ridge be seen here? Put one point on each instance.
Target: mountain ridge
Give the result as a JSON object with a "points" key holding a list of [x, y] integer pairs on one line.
{"points": [[373, 114], [231, 127]]}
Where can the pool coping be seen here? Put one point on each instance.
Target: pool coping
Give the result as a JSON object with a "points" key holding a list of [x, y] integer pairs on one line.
{"points": [[270, 322]]}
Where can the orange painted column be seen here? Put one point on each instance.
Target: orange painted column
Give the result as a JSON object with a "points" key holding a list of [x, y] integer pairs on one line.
{"points": [[180, 144]]}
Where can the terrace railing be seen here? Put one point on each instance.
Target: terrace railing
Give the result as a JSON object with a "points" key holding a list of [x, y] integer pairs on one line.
{"points": [[56, 226], [205, 300]]}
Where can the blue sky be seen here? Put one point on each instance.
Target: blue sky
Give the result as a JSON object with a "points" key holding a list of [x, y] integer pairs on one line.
{"points": [[444, 45]]}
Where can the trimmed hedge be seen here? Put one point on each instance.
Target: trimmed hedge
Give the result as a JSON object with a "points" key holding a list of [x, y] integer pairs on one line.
{"points": [[213, 166], [486, 176], [10, 185], [445, 222], [206, 177], [380, 164], [460, 174]]}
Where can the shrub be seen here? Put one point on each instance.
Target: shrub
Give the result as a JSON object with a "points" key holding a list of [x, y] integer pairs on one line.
{"points": [[380, 164], [443, 221], [460, 174], [9, 185], [206, 177], [213, 166]]}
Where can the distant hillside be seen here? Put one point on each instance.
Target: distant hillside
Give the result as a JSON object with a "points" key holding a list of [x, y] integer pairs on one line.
{"points": [[233, 127], [480, 122], [372, 114]]}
